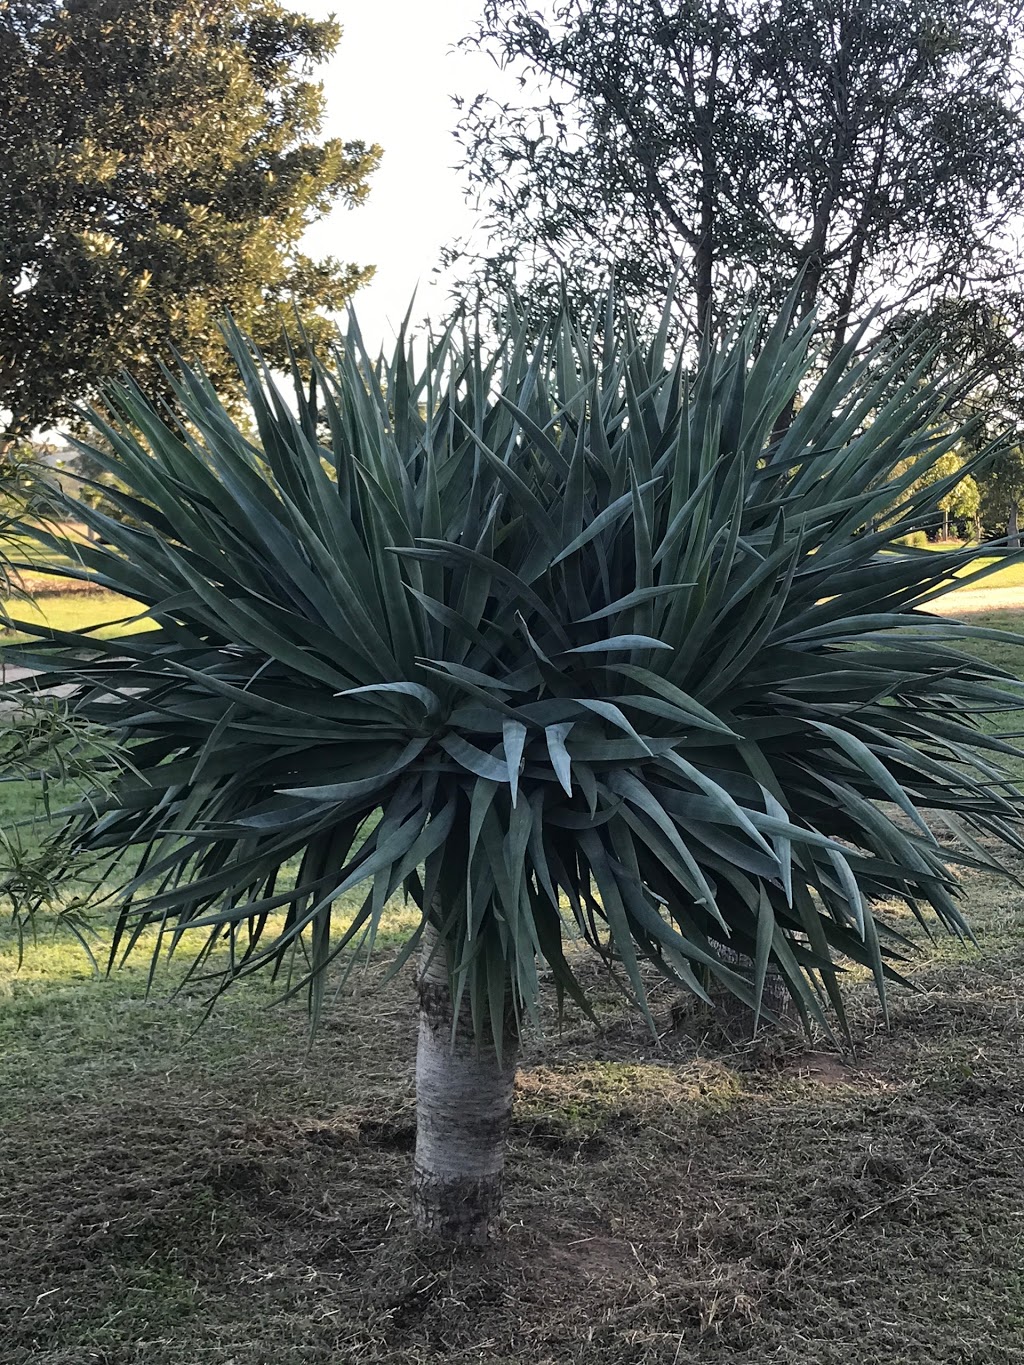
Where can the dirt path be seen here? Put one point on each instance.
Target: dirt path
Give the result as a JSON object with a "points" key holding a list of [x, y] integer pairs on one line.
{"points": [[966, 601]]}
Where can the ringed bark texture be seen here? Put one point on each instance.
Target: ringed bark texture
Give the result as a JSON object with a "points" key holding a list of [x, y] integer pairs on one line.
{"points": [[463, 1108]]}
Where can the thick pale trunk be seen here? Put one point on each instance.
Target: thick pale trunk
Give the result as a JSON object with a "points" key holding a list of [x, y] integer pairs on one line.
{"points": [[1013, 527], [463, 1107]]}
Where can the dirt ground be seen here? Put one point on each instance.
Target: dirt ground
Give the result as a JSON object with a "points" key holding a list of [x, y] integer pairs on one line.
{"points": [[968, 601], [230, 1197]]}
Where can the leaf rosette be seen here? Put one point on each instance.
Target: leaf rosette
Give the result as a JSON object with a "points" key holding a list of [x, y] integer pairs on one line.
{"points": [[557, 636]]}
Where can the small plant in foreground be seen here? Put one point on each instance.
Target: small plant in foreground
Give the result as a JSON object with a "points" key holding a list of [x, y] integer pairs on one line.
{"points": [[557, 638]]}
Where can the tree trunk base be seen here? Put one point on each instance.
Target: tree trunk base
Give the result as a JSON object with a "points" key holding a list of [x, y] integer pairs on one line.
{"points": [[775, 999], [463, 1108], [463, 1211]]}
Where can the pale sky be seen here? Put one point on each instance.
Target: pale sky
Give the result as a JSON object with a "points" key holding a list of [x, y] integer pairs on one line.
{"points": [[391, 82]]}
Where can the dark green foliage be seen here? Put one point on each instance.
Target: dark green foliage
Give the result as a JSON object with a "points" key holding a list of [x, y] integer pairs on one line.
{"points": [[1003, 492], [980, 335], [553, 637], [159, 164]]}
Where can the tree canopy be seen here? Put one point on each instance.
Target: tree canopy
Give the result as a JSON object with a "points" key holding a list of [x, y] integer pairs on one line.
{"points": [[876, 147], [159, 164]]}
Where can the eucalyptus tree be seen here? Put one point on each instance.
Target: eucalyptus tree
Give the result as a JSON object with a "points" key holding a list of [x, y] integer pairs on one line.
{"points": [[555, 638], [875, 148]]}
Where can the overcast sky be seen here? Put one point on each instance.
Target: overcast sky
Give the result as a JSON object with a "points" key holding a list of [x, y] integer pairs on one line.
{"points": [[391, 82]]}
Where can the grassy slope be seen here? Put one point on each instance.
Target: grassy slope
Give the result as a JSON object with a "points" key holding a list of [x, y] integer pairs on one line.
{"points": [[184, 1198]]}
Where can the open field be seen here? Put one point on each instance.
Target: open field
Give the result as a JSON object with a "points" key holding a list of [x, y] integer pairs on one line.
{"points": [[66, 606], [229, 1196], [60, 603], [74, 611], [1010, 576]]}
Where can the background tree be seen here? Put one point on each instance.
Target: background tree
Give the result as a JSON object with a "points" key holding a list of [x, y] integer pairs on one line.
{"points": [[972, 337], [963, 336], [877, 147], [1003, 494], [962, 502], [555, 638], [159, 164]]}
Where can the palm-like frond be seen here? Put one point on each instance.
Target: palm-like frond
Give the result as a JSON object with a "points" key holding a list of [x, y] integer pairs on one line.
{"points": [[551, 632]]}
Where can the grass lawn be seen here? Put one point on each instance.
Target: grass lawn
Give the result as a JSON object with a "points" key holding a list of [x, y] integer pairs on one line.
{"points": [[1012, 576], [229, 1196], [73, 611], [57, 602]]}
